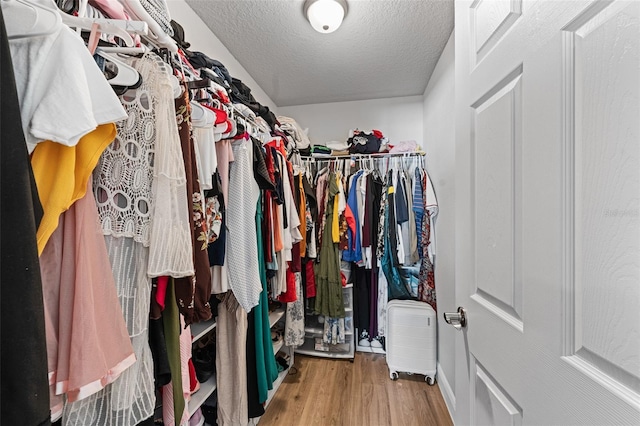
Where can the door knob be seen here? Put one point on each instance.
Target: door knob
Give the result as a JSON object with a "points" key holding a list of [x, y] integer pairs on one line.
{"points": [[456, 319]]}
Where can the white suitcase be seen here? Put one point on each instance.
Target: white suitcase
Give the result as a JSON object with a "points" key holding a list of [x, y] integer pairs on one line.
{"points": [[411, 339]]}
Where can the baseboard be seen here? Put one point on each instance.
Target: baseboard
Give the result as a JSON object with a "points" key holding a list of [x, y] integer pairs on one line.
{"points": [[446, 391]]}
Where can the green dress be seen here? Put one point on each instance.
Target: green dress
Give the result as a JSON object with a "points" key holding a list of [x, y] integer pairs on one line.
{"points": [[265, 358], [328, 281]]}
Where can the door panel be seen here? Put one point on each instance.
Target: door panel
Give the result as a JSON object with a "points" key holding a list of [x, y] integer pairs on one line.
{"points": [[496, 140], [602, 52], [491, 19], [548, 211], [491, 404]]}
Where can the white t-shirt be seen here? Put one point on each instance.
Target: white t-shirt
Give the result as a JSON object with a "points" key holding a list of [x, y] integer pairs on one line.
{"points": [[63, 94], [203, 121], [432, 206]]}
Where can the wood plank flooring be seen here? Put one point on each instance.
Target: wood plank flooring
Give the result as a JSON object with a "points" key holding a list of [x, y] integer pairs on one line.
{"points": [[338, 392]]}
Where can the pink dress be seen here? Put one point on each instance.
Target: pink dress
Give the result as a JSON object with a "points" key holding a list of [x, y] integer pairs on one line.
{"points": [[88, 344]]}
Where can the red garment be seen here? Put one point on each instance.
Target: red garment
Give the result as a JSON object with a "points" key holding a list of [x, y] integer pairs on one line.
{"points": [[290, 295], [194, 385], [278, 144], [296, 264], [162, 291], [311, 279]]}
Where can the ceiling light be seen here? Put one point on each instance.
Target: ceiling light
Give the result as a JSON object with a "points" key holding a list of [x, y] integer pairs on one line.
{"points": [[325, 16]]}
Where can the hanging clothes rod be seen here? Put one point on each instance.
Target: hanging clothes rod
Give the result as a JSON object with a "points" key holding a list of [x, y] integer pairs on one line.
{"points": [[359, 156]]}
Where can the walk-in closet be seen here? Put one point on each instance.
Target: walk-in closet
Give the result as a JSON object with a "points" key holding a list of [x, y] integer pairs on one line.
{"points": [[319, 212]]}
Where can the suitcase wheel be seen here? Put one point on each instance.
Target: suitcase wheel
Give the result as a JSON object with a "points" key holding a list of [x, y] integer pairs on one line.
{"points": [[393, 375], [430, 381]]}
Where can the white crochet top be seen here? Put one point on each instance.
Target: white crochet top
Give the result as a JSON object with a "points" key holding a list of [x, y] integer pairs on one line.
{"points": [[140, 181]]}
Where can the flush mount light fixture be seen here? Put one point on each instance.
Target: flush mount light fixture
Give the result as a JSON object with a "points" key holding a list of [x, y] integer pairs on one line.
{"points": [[325, 16]]}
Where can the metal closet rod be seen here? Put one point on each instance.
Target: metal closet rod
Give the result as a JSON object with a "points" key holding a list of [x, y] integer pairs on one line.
{"points": [[357, 156]]}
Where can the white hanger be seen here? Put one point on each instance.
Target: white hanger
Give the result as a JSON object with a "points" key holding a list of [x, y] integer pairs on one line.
{"points": [[24, 19], [105, 26], [156, 34], [126, 76]]}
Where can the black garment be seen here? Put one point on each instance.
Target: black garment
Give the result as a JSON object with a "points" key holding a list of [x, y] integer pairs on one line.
{"points": [[149, 421], [255, 408], [240, 92], [402, 209], [278, 193], [310, 195], [23, 376], [158, 345], [217, 249], [178, 35], [363, 143], [200, 60], [362, 287], [392, 229], [260, 172], [376, 188], [305, 152]]}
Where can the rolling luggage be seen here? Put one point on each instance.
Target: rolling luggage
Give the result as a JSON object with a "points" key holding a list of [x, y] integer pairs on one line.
{"points": [[411, 339]]}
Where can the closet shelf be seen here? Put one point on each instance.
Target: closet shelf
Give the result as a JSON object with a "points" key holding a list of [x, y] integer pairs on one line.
{"points": [[206, 389], [275, 316], [199, 329], [369, 349], [318, 331], [278, 345], [308, 348], [276, 385], [313, 330]]}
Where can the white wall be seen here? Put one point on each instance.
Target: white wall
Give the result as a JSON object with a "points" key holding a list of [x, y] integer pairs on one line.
{"points": [[397, 118], [439, 144], [203, 40]]}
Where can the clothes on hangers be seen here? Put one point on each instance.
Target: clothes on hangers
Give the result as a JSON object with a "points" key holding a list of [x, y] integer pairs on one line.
{"points": [[204, 190]]}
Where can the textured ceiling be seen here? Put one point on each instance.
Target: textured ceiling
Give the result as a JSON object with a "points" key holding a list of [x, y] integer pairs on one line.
{"points": [[384, 48]]}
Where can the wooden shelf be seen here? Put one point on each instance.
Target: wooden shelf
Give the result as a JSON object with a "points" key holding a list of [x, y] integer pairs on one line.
{"points": [[198, 398], [275, 316], [198, 330]]}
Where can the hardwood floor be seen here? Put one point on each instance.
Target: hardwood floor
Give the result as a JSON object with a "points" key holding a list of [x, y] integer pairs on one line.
{"points": [[338, 392]]}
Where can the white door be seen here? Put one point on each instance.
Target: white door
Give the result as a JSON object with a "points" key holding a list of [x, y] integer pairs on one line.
{"points": [[548, 212]]}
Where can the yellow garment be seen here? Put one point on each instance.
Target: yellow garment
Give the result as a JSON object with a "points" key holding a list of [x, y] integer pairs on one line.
{"points": [[62, 173], [335, 223]]}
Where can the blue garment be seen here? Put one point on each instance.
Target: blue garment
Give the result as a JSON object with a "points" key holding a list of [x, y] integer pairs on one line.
{"points": [[402, 209], [398, 279], [354, 252], [418, 206]]}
